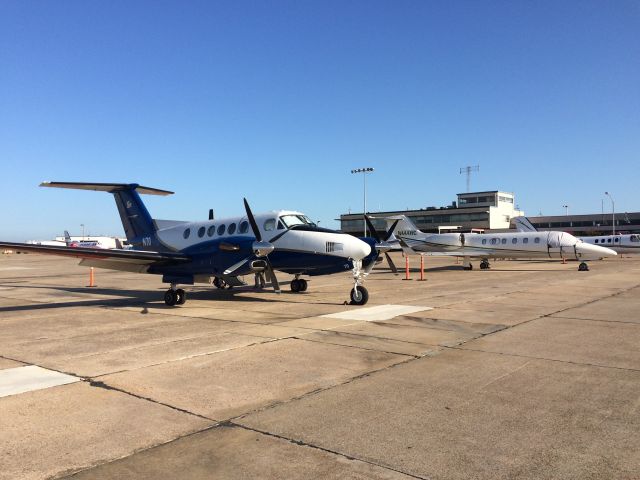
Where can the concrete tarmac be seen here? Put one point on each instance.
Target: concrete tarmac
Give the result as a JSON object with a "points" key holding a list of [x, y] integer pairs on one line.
{"points": [[530, 370]]}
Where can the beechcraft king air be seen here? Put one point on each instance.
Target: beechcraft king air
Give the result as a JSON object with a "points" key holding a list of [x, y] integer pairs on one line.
{"points": [[484, 246], [218, 251]]}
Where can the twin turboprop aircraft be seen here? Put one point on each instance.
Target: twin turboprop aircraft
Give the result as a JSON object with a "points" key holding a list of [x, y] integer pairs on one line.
{"points": [[495, 245], [219, 251]]}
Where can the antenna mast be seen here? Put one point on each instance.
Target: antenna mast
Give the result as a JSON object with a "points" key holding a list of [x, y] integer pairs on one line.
{"points": [[468, 170]]}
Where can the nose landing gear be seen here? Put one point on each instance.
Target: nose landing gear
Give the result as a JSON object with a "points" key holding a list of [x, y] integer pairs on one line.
{"points": [[359, 294], [583, 267]]}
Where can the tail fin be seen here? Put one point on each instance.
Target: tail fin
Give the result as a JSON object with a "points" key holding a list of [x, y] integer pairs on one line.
{"points": [[523, 224], [67, 238], [404, 225], [139, 227]]}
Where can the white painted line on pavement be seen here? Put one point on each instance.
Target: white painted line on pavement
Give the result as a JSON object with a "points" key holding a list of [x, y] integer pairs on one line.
{"points": [[379, 313], [27, 379]]}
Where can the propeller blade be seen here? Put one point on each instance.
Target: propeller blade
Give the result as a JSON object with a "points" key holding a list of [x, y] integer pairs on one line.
{"points": [[372, 229], [235, 266], [272, 274], [252, 221], [391, 264], [391, 230]]}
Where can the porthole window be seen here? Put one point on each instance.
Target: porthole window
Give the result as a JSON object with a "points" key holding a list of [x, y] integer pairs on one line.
{"points": [[493, 241], [186, 233], [221, 229], [270, 224], [211, 231], [525, 240], [608, 240], [201, 231], [244, 227], [232, 229], [484, 241], [596, 240], [504, 241], [537, 240], [617, 240], [514, 240]]}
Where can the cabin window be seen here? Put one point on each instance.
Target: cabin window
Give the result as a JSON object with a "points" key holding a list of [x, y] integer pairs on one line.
{"points": [[596, 240], [493, 241], [244, 227], [504, 241], [270, 224], [186, 233], [211, 231], [514, 240], [484, 241], [635, 238], [221, 229], [608, 240], [617, 240], [525, 240], [232, 229], [201, 231], [537, 240]]}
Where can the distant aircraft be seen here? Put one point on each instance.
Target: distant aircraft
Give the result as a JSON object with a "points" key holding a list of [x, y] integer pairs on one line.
{"points": [[495, 245], [220, 250], [620, 243], [91, 243]]}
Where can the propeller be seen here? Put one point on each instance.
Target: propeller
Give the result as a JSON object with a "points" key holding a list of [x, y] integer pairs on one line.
{"points": [[260, 248], [381, 243]]}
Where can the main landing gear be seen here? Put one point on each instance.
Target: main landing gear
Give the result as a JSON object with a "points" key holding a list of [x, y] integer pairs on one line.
{"points": [[220, 283], [484, 264], [175, 296], [359, 294], [299, 285], [583, 267]]}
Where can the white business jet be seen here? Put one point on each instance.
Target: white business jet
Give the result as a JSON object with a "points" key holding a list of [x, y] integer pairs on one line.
{"points": [[495, 245]]}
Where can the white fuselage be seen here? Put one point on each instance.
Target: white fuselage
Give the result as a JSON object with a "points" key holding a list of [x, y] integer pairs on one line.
{"points": [[497, 245], [274, 228], [620, 243]]}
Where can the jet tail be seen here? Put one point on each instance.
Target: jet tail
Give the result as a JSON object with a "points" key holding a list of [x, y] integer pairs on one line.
{"points": [[139, 227], [403, 225], [67, 238], [523, 224]]}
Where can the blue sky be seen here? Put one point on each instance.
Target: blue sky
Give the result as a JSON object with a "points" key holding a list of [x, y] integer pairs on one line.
{"points": [[278, 101]]}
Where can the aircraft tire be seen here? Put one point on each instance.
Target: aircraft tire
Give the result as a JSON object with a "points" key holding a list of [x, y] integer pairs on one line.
{"points": [[359, 296], [182, 296], [170, 298], [583, 267], [296, 286], [303, 284]]}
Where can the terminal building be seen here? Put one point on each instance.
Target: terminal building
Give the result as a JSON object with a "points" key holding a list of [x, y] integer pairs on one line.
{"points": [[494, 210], [473, 210]]}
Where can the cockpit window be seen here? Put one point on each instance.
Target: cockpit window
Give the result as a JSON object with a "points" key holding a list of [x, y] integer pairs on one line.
{"points": [[635, 238], [270, 224], [291, 220]]}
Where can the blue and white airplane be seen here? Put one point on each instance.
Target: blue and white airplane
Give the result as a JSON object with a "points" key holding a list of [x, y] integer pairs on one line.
{"points": [[221, 250]]}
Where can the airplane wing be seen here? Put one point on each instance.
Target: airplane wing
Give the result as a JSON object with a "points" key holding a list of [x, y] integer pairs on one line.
{"points": [[127, 260]]}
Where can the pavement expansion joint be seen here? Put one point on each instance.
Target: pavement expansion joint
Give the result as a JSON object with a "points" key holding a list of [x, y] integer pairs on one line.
{"points": [[302, 443], [100, 384], [360, 348], [568, 362]]}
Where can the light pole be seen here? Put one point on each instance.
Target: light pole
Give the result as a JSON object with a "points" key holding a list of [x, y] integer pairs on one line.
{"points": [[364, 172], [566, 210], [613, 211]]}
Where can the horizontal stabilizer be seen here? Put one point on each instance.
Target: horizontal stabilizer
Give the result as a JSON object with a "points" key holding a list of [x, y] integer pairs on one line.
{"points": [[107, 187]]}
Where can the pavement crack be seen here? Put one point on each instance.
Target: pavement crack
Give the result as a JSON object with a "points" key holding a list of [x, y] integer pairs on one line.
{"points": [[302, 443]]}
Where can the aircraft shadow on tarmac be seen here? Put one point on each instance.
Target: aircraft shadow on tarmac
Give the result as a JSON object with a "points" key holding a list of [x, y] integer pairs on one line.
{"points": [[128, 298]]}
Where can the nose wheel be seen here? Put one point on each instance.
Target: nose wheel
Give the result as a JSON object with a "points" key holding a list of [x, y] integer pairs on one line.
{"points": [[583, 267], [359, 295]]}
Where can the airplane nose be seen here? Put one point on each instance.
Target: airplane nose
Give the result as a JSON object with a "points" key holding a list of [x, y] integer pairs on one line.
{"points": [[588, 250], [359, 249]]}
